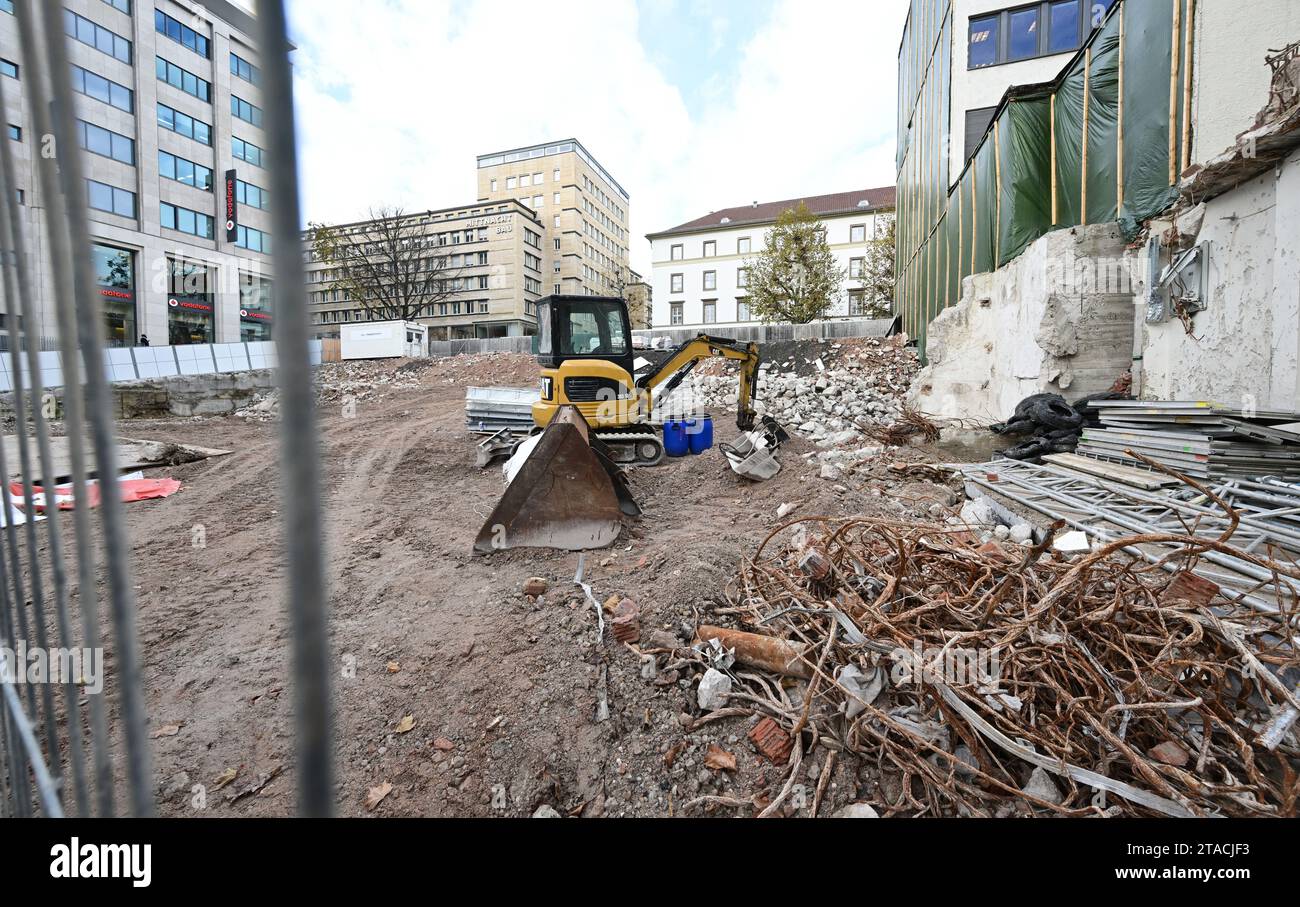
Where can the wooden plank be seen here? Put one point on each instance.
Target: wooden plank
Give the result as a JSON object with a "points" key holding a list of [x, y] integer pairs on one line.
{"points": [[1115, 472], [131, 455]]}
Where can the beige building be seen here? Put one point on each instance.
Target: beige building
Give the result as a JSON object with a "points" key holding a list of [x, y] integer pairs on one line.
{"points": [[640, 300], [494, 255], [583, 210]]}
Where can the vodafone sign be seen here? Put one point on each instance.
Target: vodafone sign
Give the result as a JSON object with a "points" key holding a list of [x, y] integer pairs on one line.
{"points": [[185, 304], [232, 208]]}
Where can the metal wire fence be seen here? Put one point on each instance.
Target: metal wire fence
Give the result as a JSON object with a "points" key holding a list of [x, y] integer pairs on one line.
{"points": [[60, 752]]}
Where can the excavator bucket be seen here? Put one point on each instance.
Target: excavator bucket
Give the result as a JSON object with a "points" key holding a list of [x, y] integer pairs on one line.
{"points": [[567, 494]]}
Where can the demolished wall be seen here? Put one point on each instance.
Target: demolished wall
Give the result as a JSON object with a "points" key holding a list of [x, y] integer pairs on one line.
{"points": [[1242, 348], [1058, 319]]}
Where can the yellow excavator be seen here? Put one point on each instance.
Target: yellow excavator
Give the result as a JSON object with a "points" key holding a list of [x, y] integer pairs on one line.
{"points": [[566, 489]]}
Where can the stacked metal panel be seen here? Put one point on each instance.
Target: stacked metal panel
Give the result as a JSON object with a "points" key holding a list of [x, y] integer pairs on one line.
{"points": [[490, 409], [1200, 439]]}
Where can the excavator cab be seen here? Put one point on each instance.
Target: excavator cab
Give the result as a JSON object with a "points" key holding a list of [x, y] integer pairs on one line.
{"points": [[584, 346]]}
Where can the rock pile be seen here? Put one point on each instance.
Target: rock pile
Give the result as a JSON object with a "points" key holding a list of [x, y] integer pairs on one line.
{"points": [[364, 379], [817, 389]]}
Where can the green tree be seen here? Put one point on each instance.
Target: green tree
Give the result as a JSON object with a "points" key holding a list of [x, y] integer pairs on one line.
{"points": [[794, 278], [878, 270]]}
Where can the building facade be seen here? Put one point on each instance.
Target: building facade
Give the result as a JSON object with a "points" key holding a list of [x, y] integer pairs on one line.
{"points": [[699, 267], [1133, 217], [169, 111], [956, 62], [492, 254], [640, 301], [582, 208]]}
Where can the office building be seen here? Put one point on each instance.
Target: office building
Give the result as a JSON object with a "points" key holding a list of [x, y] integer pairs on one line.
{"points": [[169, 110], [490, 253], [582, 208]]}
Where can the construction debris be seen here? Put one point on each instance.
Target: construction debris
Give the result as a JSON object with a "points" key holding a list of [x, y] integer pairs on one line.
{"points": [[490, 409], [1197, 438], [1068, 685], [1050, 424], [862, 381]]}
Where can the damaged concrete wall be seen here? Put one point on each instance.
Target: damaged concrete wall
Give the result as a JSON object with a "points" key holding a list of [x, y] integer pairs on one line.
{"points": [[1230, 78], [1057, 319], [1243, 346]]}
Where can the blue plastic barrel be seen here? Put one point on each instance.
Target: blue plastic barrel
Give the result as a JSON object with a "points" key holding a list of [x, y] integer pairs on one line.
{"points": [[675, 440], [700, 434]]}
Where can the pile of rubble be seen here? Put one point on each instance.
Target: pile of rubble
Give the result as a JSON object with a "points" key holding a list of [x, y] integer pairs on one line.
{"points": [[366, 379], [825, 391], [265, 407], [979, 678]]}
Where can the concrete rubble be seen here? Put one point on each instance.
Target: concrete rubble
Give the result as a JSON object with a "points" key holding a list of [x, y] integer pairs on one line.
{"points": [[824, 391]]}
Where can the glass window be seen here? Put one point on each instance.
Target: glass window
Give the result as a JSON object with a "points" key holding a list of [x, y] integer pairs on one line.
{"points": [[710, 249], [858, 233], [742, 246], [614, 326], [1022, 33], [180, 33], [1063, 31], [676, 253], [9, 69], [710, 313], [110, 199], [710, 280], [984, 36], [675, 313], [742, 310], [96, 36], [676, 285]]}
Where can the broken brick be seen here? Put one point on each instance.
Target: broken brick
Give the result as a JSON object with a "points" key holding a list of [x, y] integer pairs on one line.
{"points": [[1187, 586], [772, 741], [535, 586]]}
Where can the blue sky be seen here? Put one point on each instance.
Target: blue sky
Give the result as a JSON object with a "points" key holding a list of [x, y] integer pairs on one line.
{"points": [[692, 106]]}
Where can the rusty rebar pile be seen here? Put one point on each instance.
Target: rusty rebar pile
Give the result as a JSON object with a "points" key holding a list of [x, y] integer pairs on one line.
{"points": [[1140, 691]]}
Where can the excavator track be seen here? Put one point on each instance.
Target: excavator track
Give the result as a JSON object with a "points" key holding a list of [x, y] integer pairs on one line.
{"points": [[633, 446]]}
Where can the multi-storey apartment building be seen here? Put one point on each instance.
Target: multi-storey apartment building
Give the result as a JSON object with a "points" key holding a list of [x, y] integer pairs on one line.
{"points": [[169, 111], [583, 209], [492, 254], [700, 267]]}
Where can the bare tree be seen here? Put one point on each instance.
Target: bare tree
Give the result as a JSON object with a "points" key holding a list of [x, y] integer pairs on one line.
{"points": [[391, 265]]}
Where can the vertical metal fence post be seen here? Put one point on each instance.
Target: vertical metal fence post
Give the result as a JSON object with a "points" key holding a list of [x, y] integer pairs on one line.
{"points": [[79, 319], [300, 455], [18, 287]]}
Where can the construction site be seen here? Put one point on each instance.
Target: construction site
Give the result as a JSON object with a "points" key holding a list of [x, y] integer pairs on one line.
{"points": [[1019, 539], [874, 630]]}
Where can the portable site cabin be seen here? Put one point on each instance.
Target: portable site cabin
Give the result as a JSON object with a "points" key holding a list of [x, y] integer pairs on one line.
{"points": [[383, 340]]}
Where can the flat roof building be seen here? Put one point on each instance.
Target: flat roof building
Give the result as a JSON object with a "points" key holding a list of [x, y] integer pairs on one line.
{"points": [[169, 106], [582, 208], [491, 254]]}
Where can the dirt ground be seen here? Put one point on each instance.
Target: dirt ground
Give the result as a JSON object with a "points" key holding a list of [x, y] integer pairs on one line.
{"points": [[503, 691]]}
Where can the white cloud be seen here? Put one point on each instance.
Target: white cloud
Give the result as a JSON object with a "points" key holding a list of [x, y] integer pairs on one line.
{"points": [[396, 99]]}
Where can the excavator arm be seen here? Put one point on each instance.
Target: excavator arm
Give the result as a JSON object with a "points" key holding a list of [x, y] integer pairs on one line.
{"points": [[673, 370]]}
